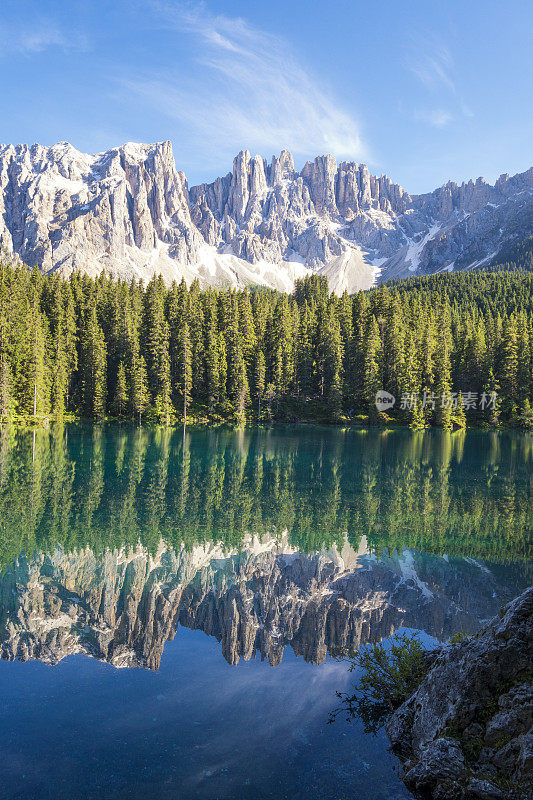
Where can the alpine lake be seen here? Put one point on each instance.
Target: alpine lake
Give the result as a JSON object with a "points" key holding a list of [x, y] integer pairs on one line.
{"points": [[173, 602]]}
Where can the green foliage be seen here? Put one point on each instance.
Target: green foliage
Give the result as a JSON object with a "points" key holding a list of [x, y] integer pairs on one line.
{"points": [[517, 256], [526, 417], [389, 676], [98, 347], [459, 417], [459, 638], [121, 391]]}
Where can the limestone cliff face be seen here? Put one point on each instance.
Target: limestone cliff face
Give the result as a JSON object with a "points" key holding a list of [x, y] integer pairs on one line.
{"points": [[467, 732], [130, 211], [118, 210], [123, 607]]}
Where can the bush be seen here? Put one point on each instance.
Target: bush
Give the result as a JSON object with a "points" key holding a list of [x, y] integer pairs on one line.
{"points": [[390, 676]]}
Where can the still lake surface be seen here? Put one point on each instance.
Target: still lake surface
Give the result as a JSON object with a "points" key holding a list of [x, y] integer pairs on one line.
{"points": [[169, 601]]}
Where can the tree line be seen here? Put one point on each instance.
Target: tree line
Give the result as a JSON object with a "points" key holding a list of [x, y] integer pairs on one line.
{"points": [[109, 348]]}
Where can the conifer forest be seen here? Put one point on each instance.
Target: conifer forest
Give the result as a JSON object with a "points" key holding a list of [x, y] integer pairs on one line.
{"points": [[453, 349]]}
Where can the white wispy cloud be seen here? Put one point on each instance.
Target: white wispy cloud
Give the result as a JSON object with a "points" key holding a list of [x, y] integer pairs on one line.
{"points": [[432, 63], [247, 88], [436, 117], [42, 36]]}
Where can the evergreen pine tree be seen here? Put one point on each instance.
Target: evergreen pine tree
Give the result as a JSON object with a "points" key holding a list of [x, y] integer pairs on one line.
{"points": [[331, 358], [418, 417], [120, 400], [459, 418], [490, 401], [6, 403], [34, 398], [157, 349], [372, 365], [139, 388], [93, 365], [304, 352], [238, 388], [185, 369], [442, 371], [259, 380], [526, 416], [212, 357], [222, 368], [509, 361]]}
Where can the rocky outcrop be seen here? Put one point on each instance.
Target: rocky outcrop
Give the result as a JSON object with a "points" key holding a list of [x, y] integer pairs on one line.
{"points": [[64, 210], [122, 607], [467, 731], [130, 212]]}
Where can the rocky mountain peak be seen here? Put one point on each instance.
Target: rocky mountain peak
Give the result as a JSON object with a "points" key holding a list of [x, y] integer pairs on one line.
{"points": [[282, 168], [130, 211]]}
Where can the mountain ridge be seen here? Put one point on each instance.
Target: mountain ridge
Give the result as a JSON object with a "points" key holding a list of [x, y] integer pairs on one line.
{"points": [[130, 211]]}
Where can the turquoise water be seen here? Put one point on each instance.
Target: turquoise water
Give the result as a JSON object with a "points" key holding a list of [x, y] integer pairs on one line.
{"points": [[169, 601]]}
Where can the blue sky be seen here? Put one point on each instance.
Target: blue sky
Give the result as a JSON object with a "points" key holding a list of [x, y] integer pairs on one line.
{"points": [[422, 91]]}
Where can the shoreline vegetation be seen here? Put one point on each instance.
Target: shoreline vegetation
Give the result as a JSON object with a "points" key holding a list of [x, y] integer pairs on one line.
{"points": [[458, 716], [362, 422], [453, 350]]}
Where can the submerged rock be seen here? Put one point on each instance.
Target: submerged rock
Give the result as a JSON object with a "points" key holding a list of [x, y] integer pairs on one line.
{"points": [[467, 730]]}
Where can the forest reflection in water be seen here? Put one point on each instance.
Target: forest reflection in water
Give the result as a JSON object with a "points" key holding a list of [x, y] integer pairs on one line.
{"points": [[314, 538], [467, 494]]}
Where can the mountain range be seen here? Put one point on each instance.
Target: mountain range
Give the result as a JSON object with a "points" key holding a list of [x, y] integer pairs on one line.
{"points": [[131, 212]]}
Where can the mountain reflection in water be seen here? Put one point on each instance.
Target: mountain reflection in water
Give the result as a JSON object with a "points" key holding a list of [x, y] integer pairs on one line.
{"points": [[113, 537]]}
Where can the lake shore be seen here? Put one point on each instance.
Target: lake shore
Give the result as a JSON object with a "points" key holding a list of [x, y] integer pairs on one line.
{"points": [[361, 421], [466, 732]]}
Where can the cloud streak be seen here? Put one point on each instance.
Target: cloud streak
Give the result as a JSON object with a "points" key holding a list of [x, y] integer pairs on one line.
{"points": [[437, 117], [431, 62], [43, 36], [247, 88]]}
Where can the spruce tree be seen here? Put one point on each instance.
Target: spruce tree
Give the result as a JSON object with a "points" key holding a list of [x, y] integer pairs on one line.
{"points": [[281, 346], [526, 415], [523, 365], [222, 368], [212, 357], [63, 345], [196, 338], [259, 380], [490, 401], [93, 365], [34, 398], [330, 358], [156, 346], [139, 388], [184, 362], [238, 387], [372, 365], [247, 330], [304, 352], [6, 402], [459, 418], [509, 361], [120, 400], [418, 419], [442, 371]]}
